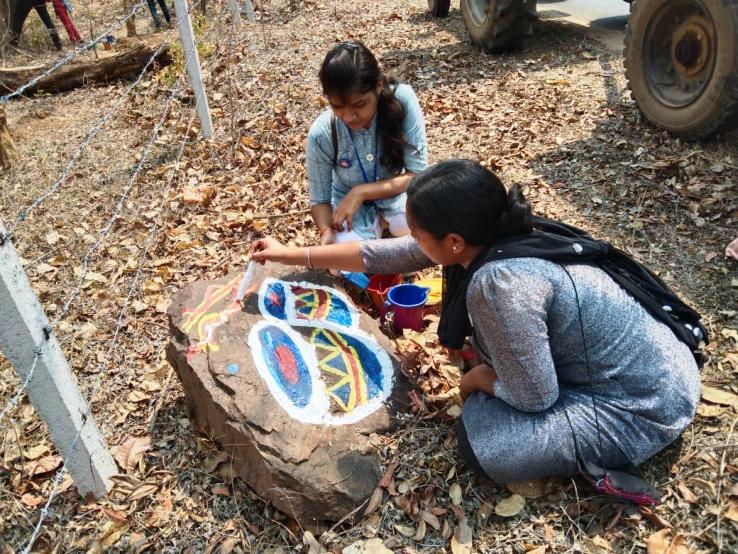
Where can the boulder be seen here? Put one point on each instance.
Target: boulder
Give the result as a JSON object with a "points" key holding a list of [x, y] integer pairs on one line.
{"points": [[291, 383]]}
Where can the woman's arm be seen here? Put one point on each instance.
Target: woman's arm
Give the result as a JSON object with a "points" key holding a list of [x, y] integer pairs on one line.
{"points": [[369, 191], [385, 256], [323, 218], [345, 256]]}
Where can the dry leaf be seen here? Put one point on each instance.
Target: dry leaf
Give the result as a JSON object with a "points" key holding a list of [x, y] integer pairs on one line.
{"points": [[32, 501], [719, 396], [211, 464], [539, 550], [431, 519], [386, 479], [114, 515], [374, 502], [372, 546], [43, 465], [446, 531], [308, 539], [142, 491], [404, 530], [370, 527], [595, 545], [660, 543], [131, 451], [461, 542], [221, 490], [454, 492], [510, 506], [420, 531], [687, 494], [35, 451], [732, 512]]}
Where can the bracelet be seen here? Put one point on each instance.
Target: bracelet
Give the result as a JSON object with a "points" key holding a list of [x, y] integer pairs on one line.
{"points": [[310, 263]]}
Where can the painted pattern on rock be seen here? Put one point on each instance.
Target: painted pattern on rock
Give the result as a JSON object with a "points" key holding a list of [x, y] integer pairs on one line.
{"points": [[307, 305], [207, 317], [340, 376]]}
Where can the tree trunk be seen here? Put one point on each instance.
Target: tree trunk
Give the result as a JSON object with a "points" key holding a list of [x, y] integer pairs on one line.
{"points": [[73, 75], [8, 153], [131, 22]]}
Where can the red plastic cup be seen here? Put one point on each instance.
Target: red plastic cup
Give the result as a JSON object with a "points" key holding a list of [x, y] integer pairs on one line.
{"points": [[378, 287]]}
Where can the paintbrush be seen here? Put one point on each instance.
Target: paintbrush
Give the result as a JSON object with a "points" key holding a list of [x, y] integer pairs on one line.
{"points": [[245, 281]]}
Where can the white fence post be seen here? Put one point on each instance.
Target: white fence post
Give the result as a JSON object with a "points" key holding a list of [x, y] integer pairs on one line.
{"points": [[249, 7], [235, 13], [52, 387], [192, 61]]}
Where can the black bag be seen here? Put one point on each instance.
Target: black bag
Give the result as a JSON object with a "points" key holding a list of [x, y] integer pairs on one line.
{"points": [[562, 243]]}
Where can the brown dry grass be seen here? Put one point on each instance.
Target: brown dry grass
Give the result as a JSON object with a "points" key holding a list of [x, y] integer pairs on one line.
{"points": [[554, 116]]}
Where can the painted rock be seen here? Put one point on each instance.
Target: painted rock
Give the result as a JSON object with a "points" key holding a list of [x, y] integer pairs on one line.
{"points": [[291, 385]]}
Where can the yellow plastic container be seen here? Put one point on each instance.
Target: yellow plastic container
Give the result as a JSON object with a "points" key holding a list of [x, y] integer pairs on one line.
{"points": [[436, 289]]}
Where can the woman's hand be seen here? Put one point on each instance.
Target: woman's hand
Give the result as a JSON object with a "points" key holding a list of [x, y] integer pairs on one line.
{"points": [[346, 209], [481, 377], [327, 236], [270, 250]]}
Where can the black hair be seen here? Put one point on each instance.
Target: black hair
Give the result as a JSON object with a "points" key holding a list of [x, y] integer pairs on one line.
{"points": [[350, 68], [463, 197]]}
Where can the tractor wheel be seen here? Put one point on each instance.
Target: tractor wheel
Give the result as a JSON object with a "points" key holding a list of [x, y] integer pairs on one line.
{"points": [[681, 62], [439, 8], [498, 25]]}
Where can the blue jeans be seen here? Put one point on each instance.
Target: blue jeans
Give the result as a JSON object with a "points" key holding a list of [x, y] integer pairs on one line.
{"points": [[164, 10]]}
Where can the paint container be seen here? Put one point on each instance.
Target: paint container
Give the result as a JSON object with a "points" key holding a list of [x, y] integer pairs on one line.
{"points": [[378, 287], [406, 304], [357, 279]]}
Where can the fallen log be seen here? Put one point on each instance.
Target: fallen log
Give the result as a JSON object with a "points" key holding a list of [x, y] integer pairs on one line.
{"points": [[77, 74]]}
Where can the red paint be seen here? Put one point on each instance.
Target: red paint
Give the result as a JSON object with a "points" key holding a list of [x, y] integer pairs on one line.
{"points": [[274, 299], [287, 363], [321, 298]]}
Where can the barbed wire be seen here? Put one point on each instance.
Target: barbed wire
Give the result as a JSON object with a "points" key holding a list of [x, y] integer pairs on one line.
{"points": [[106, 229], [101, 236], [134, 285], [23, 214], [76, 52]]}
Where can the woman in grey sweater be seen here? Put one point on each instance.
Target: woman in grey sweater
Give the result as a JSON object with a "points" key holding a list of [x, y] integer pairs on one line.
{"points": [[571, 367]]}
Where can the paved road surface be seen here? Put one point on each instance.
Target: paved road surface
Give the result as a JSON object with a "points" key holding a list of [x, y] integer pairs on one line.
{"points": [[604, 19]]}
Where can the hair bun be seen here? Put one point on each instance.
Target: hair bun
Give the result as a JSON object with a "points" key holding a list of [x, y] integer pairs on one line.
{"points": [[518, 216]]}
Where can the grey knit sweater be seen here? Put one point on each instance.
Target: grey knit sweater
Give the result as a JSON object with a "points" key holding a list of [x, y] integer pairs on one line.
{"points": [[526, 321]]}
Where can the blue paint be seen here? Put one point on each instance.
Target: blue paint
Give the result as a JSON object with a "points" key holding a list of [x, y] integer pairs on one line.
{"points": [[286, 365], [232, 369], [275, 300], [369, 367]]}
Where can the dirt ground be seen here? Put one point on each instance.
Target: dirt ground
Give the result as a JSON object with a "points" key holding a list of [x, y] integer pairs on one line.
{"points": [[555, 117]]}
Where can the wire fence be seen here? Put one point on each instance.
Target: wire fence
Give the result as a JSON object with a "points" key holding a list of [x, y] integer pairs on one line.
{"points": [[119, 207]]}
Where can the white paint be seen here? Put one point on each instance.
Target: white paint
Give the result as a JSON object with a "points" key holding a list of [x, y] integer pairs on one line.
{"points": [[318, 411], [192, 62], [52, 388], [291, 311]]}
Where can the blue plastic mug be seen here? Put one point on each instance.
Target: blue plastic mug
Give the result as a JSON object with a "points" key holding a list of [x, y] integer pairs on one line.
{"points": [[406, 303]]}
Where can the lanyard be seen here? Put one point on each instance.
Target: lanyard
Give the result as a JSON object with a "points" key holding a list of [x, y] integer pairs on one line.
{"points": [[358, 158]]}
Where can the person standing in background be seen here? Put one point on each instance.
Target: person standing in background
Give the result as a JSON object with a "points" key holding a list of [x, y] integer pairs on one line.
{"points": [[62, 10], [22, 9], [164, 11]]}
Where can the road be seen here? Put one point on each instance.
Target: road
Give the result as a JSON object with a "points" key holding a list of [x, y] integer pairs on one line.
{"points": [[603, 19]]}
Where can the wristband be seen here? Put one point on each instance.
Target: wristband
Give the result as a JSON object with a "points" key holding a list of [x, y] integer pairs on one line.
{"points": [[310, 263]]}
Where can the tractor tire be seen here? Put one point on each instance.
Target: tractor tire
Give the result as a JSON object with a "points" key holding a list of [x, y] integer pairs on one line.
{"points": [[681, 63], [439, 8], [498, 25]]}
